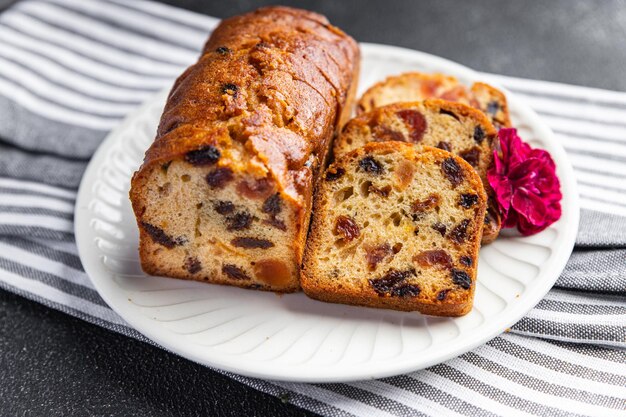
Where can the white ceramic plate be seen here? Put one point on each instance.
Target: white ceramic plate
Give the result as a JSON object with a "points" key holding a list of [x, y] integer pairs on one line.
{"points": [[292, 337]]}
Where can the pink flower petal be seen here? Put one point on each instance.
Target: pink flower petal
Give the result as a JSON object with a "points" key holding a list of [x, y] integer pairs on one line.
{"points": [[525, 184]]}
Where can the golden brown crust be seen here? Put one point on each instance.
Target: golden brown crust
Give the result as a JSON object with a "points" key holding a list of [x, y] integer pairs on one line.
{"points": [[486, 94], [266, 97], [324, 280]]}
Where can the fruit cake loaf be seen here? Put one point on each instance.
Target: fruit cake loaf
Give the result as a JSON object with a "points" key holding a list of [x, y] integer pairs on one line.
{"points": [[454, 127], [417, 86], [224, 194], [397, 226]]}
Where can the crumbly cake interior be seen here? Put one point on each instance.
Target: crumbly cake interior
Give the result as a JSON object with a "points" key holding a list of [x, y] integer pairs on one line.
{"points": [[454, 127], [200, 227], [398, 229]]}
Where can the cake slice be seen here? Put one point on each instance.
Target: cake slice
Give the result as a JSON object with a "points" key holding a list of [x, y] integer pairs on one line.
{"points": [[396, 226], [454, 127], [417, 86]]}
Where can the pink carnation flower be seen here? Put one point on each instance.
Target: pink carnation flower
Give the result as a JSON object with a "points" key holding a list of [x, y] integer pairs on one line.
{"points": [[525, 183]]}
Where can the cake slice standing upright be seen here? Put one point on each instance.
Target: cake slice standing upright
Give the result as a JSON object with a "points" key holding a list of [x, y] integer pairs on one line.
{"points": [[396, 226], [454, 127]]}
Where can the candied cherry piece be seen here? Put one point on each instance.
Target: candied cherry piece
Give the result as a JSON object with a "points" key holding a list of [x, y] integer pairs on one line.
{"points": [[434, 257], [377, 254], [416, 122]]}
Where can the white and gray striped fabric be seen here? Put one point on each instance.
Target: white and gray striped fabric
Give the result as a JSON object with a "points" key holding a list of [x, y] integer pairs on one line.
{"points": [[71, 70]]}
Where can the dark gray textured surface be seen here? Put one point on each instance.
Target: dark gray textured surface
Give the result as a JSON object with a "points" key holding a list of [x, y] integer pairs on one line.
{"points": [[571, 41], [52, 364]]}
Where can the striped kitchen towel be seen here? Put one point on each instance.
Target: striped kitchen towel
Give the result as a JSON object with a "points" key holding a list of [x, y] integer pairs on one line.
{"points": [[71, 70]]}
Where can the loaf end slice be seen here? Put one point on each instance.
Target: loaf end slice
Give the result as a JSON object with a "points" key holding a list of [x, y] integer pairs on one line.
{"points": [[396, 226], [416, 86]]}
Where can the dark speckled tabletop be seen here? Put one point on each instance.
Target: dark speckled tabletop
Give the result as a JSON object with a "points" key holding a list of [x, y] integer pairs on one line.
{"points": [[53, 364]]}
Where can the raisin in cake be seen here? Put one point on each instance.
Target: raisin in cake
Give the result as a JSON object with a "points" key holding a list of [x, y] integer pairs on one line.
{"points": [[396, 226], [454, 127], [224, 194], [416, 86]]}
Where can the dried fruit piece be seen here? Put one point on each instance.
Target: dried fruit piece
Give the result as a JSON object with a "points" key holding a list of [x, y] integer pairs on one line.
{"points": [[468, 200], [219, 177], [383, 192], [272, 205], [159, 236], [239, 221], [224, 207], [435, 257], [452, 171], [493, 107], [371, 165], [251, 243], [445, 146], [427, 204], [416, 122], [377, 254], [466, 260], [257, 189], [347, 228], [404, 172], [273, 272], [405, 290], [230, 89], [459, 233], [440, 227], [334, 173], [386, 283], [277, 223], [461, 278], [472, 156], [206, 155], [489, 216], [383, 133], [193, 265], [222, 50], [479, 134], [441, 295], [234, 272]]}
